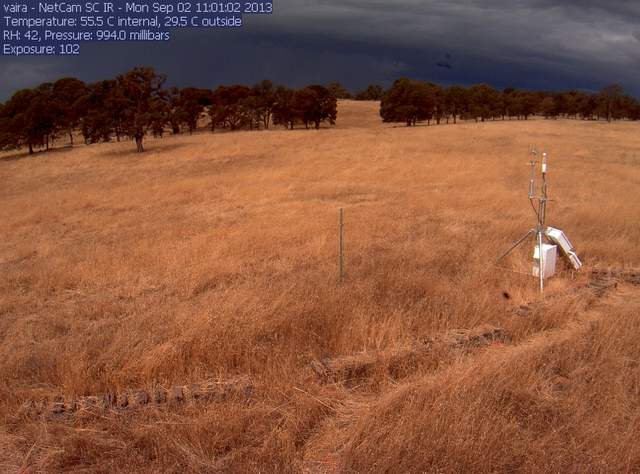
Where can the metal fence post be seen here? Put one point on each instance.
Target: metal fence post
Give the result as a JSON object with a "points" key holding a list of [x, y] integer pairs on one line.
{"points": [[341, 245]]}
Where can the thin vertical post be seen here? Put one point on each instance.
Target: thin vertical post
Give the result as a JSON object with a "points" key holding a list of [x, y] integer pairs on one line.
{"points": [[540, 261], [341, 245], [542, 211]]}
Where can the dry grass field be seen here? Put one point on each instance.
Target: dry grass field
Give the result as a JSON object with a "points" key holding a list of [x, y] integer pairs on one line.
{"points": [[215, 258]]}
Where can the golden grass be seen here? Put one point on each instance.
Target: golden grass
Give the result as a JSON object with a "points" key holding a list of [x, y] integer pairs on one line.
{"points": [[216, 256]]}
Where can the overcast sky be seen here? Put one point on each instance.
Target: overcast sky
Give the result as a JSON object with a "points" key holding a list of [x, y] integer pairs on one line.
{"points": [[539, 44]]}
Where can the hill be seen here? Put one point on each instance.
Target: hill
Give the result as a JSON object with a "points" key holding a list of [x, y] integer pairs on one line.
{"points": [[212, 259]]}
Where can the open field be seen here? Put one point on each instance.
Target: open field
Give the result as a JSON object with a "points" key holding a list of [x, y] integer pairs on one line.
{"points": [[214, 258]]}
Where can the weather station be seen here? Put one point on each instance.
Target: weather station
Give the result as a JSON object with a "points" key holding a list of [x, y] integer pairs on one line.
{"points": [[547, 239]]}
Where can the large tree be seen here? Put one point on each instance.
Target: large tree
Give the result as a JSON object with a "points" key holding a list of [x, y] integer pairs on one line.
{"points": [[29, 118], [102, 111], [283, 108], [143, 100], [264, 94], [408, 101], [485, 101], [227, 107], [67, 96], [456, 99], [188, 106], [525, 103], [548, 107], [5, 136], [315, 104]]}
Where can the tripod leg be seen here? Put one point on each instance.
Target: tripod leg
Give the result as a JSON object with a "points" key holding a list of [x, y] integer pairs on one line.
{"points": [[522, 239]]}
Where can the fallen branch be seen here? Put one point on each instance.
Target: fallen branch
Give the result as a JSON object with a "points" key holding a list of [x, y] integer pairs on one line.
{"points": [[210, 391], [363, 364]]}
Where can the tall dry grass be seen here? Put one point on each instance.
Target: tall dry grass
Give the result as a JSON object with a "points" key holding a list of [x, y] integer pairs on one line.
{"points": [[216, 256]]}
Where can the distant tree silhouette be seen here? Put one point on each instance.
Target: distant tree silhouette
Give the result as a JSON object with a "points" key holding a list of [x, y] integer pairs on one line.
{"points": [[526, 104], [29, 118], [188, 105], [67, 96], [372, 92], [265, 99], [610, 100], [143, 102], [572, 101], [508, 103], [440, 105], [485, 102], [135, 104], [456, 99], [228, 107], [338, 91], [173, 99], [628, 108], [101, 109], [589, 106], [548, 107], [314, 105], [5, 137], [408, 101], [283, 108]]}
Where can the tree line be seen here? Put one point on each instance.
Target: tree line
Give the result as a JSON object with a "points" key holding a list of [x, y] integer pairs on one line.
{"points": [[410, 101], [136, 104]]}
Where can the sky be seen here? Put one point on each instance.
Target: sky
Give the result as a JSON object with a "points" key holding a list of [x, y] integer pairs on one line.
{"points": [[536, 44]]}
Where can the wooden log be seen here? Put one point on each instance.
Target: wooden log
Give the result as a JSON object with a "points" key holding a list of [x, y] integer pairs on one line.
{"points": [[208, 391], [362, 365]]}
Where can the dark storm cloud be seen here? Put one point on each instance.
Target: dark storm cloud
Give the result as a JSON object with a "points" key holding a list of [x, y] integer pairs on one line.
{"points": [[524, 43]]}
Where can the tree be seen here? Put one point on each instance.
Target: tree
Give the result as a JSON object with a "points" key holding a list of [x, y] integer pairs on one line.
{"points": [[628, 108], [548, 107], [29, 118], [408, 101], [525, 104], [588, 106], [338, 91], [252, 111], [508, 103], [572, 100], [101, 111], [265, 99], [227, 107], [561, 104], [5, 135], [610, 98], [372, 92], [485, 101], [283, 108], [143, 101], [456, 99], [315, 104], [440, 107], [188, 106], [173, 98], [67, 96]]}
